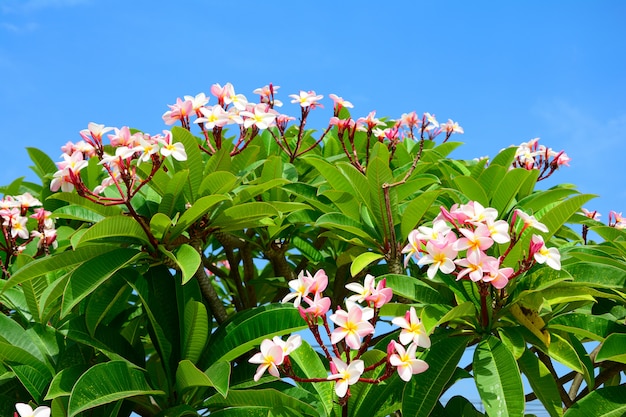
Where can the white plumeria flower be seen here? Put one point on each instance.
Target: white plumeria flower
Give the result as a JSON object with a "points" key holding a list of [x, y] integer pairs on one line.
{"points": [[346, 375], [25, 410]]}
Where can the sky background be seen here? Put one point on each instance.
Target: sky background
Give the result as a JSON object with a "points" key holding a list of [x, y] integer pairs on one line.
{"points": [[506, 71]]}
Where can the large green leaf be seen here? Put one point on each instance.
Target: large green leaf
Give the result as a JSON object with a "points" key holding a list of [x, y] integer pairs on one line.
{"points": [[379, 177], [189, 260], [244, 215], [613, 349], [542, 382], [504, 194], [415, 290], [415, 211], [56, 262], [88, 276], [110, 298], [64, 380], [107, 382], [217, 376], [308, 364], [603, 402], [195, 212], [33, 379], [193, 163], [43, 164], [498, 379], [195, 332], [117, 228], [269, 399], [422, 393], [472, 189], [248, 328], [171, 199]]}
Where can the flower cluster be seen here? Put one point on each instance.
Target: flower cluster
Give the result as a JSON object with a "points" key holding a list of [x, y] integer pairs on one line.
{"points": [[353, 328], [530, 155], [129, 151], [459, 240], [24, 220]]}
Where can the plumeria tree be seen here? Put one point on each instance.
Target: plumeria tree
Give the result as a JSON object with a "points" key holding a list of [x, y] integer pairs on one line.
{"points": [[241, 263]]}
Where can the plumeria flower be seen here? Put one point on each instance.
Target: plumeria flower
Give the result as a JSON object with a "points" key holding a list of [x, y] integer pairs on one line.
{"points": [[197, 102], [93, 133], [499, 278], [477, 213], [413, 247], [474, 240], [531, 221], [477, 264], [410, 120], [26, 201], [18, 227], [300, 287], [213, 116], [542, 254], [25, 410], [594, 215], [179, 111], [306, 99], [405, 361], [451, 127], [340, 103], [498, 230], [176, 150], [318, 306], [292, 343], [269, 358], [352, 325], [380, 295], [319, 281], [413, 330], [369, 122], [345, 375], [439, 257], [258, 117], [362, 291]]}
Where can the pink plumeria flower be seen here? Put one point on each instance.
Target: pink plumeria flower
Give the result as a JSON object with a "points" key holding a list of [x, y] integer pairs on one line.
{"points": [[499, 277], [345, 375], [292, 343], [93, 133], [498, 230], [306, 99], [318, 306], [146, 148], [259, 117], [179, 111], [413, 247], [542, 254], [213, 116], [301, 288], [43, 217], [380, 295], [197, 102], [18, 227], [413, 330], [176, 150], [474, 240], [477, 264], [477, 213], [451, 127], [48, 237], [269, 358], [319, 281], [25, 410], [369, 122], [439, 257], [340, 103], [362, 291], [405, 361], [531, 221], [122, 137], [352, 325], [410, 120], [26, 201], [430, 122], [594, 215]]}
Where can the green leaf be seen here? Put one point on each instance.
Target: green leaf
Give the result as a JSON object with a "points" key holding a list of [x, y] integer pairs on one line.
{"points": [[503, 195], [498, 379], [117, 228], [422, 393], [613, 349], [34, 380], [602, 402], [472, 189], [379, 176], [562, 350], [219, 182], [88, 276], [63, 382], [195, 332], [556, 217], [309, 365], [108, 299], [270, 399], [56, 262], [107, 382], [333, 221], [189, 261], [43, 164], [513, 340], [193, 163], [542, 382], [244, 215], [195, 212], [415, 290], [362, 261], [217, 376], [159, 225], [248, 328], [434, 314], [171, 199], [415, 211]]}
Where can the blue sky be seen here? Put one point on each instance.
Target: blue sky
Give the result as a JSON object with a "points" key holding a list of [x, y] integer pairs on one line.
{"points": [[506, 71]]}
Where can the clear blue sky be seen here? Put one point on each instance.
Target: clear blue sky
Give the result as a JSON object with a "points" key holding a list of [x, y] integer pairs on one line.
{"points": [[506, 71]]}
